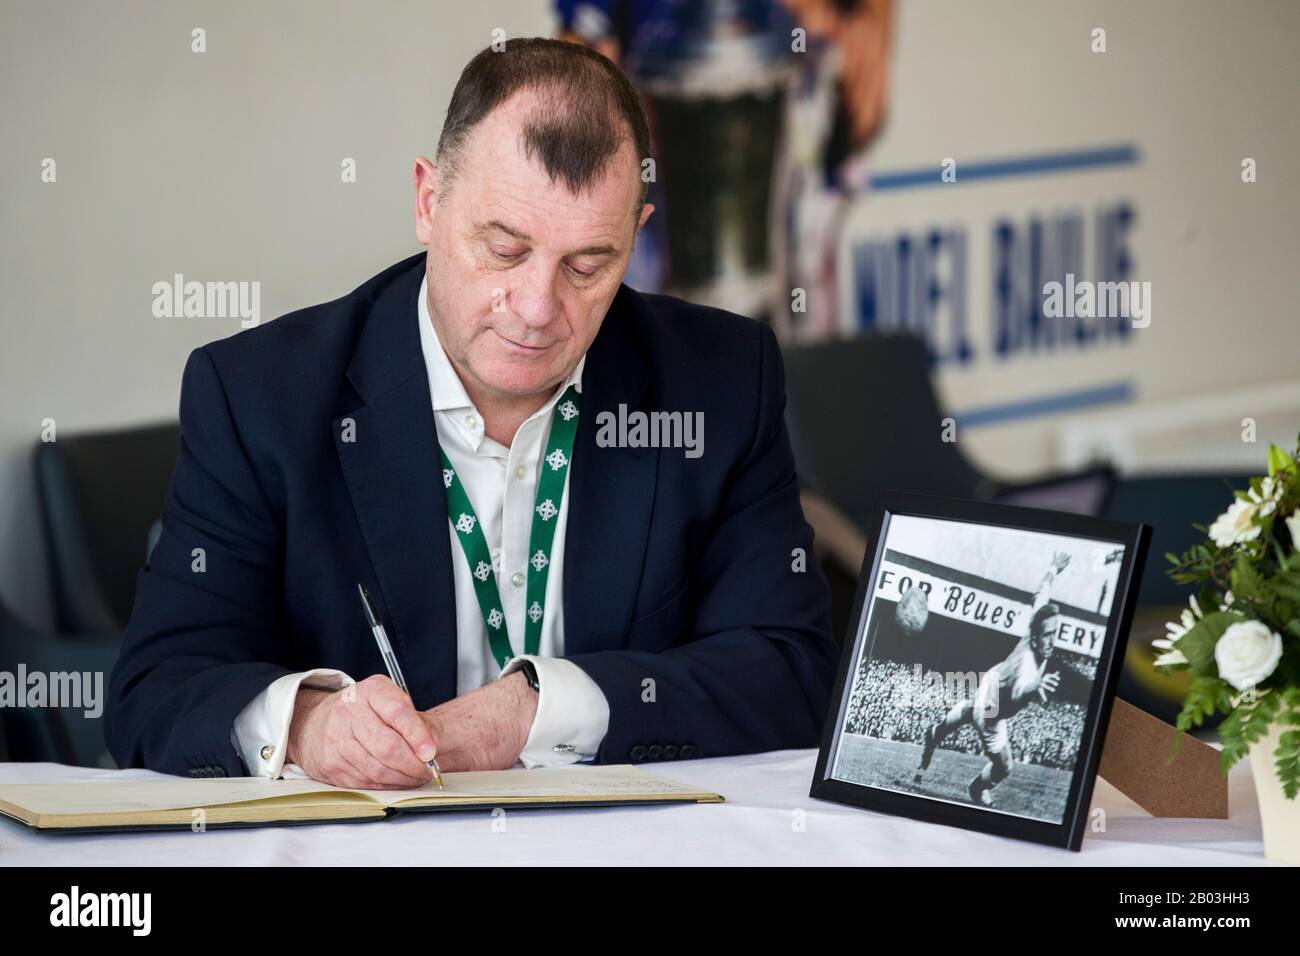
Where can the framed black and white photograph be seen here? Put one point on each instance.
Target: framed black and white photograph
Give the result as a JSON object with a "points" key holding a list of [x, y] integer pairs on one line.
{"points": [[977, 676]]}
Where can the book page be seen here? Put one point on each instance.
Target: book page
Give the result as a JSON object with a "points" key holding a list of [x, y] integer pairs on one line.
{"points": [[134, 801], [621, 781], [161, 793]]}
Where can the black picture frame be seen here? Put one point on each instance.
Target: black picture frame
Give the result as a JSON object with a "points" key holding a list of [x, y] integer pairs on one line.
{"points": [[1068, 833]]}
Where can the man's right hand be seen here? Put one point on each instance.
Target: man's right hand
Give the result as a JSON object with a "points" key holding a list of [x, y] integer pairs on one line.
{"points": [[366, 736], [1048, 684]]}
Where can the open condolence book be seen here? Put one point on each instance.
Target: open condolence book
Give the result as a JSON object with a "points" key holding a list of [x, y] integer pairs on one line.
{"points": [[175, 802]]}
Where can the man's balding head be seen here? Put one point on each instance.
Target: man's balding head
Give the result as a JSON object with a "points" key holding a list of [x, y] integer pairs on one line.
{"points": [[530, 215], [585, 109]]}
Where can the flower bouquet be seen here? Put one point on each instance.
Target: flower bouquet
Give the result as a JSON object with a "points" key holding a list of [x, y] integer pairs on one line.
{"points": [[1240, 637]]}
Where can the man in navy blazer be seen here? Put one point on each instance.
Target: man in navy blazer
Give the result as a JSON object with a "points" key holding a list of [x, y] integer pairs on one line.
{"points": [[687, 617]]}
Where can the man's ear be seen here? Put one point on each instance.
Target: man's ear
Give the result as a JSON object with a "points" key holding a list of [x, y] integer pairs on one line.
{"points": [[646, 210], [426, 177]]}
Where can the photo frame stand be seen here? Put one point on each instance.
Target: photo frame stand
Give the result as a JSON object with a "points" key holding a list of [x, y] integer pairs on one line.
{"points": [[1134, 760]]}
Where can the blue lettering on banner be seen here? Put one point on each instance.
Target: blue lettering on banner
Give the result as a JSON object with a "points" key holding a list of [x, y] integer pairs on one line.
{"points": [[1047, 249], [917, 282], [917, 286]]}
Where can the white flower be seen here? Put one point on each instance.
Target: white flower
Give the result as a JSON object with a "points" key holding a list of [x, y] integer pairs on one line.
{"points": [[1188, 620], [1247, 653], [1270, 491], [1293, 525], [1235, 525], [1171, 655]]}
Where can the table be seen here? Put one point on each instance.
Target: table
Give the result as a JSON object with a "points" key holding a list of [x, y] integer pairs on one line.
{"points": [[768, 819]]}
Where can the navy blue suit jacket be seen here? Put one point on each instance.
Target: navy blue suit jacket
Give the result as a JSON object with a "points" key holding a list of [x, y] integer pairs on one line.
{"points": [[680, 595]]}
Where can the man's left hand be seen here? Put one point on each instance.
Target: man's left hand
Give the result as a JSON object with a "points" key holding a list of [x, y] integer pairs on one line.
{"points": [[485, 729]]}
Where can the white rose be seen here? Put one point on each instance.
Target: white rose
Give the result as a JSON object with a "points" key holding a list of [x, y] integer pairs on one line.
{"points": [[1234, 525], [1270, 490], [1247, 653]]}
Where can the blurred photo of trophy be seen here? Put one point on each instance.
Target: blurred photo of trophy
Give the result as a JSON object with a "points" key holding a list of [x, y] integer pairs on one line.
{"points": [[761, 111]]}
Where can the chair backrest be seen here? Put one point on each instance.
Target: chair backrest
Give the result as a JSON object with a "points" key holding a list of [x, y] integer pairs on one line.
{"points": [[1171, 504], [61, 730], [864, 419], [100, 494]]}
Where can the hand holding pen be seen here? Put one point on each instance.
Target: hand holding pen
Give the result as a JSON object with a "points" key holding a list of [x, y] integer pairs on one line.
{"points": [[390, 662]]}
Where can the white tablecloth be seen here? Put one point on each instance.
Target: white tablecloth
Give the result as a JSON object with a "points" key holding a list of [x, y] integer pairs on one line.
{"points": [[760, 824]]}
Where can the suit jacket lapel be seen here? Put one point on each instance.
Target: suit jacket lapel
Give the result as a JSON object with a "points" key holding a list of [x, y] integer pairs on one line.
{"points": [[394, 477], [393, 474], [611, 492]]}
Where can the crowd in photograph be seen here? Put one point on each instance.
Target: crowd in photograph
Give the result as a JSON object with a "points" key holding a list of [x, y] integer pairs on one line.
{"points": [[888, 703]]}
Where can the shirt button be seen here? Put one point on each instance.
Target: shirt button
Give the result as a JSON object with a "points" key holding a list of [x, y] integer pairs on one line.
{"points": [[471, 421], [517, 580], [268, 752], [520, 472]]}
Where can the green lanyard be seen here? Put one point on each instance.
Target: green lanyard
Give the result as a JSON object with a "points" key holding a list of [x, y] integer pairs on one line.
{"points": [[550, 493]]}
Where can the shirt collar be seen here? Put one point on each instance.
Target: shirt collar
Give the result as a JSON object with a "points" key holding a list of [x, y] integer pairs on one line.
{"points": [[445, 387]]}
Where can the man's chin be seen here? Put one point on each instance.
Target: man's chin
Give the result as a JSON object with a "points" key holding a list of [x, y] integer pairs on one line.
{"points": [[518, 377]]}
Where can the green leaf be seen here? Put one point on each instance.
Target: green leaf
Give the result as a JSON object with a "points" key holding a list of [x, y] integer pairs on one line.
{"points": [[1286, 758], [1248, 584], [1198, 643], [1246, 725], [1285, 589], [1279, 460], [1205, 696]]}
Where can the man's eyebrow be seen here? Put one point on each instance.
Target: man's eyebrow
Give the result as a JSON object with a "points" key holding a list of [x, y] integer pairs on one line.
{"points": [[502, 227], [605, 250], [497, 224]]}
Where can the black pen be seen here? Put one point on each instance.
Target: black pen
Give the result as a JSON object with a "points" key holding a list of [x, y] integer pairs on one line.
{"points": [[390, 661]]}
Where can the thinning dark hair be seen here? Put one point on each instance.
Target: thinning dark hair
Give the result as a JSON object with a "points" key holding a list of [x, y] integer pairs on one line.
{"points": [[589, 108]]}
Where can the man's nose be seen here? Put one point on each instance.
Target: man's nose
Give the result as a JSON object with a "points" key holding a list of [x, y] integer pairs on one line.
{"points": [[534, 295]]}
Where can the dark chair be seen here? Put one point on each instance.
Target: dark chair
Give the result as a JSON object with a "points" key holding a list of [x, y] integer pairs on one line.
{"points": [[880, 385], [49, 734], [1170, 504], [101, 493]]}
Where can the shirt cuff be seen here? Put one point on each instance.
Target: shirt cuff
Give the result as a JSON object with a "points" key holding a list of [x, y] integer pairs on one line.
{"points": [[572, 713], [261, 731]]}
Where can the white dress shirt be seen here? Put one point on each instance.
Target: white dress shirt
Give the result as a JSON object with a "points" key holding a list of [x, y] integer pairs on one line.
{"points": [[572, 713]]}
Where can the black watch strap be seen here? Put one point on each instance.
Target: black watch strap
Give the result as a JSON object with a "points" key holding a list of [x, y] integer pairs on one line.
{"points": [[530, 674]]}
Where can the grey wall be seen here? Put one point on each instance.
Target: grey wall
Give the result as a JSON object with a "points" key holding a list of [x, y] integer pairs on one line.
{"points": [[222, 166]]}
